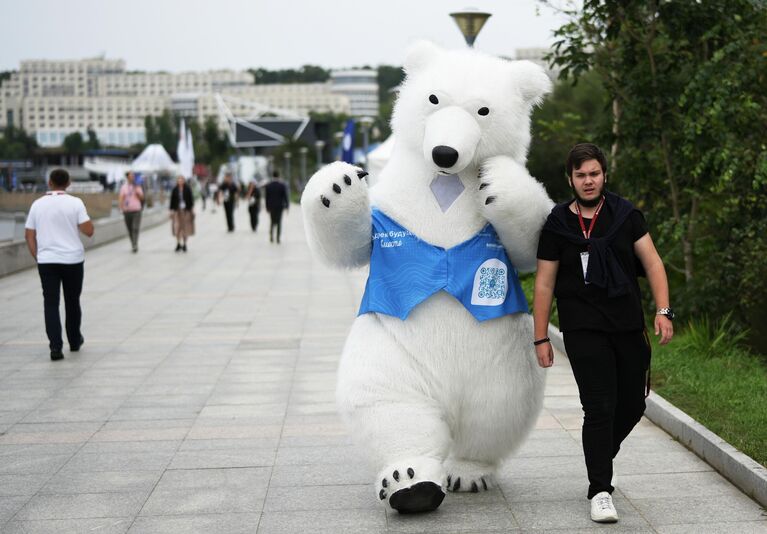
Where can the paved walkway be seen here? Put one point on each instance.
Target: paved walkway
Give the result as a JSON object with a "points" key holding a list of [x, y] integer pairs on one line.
{"points": [[202, 401]]}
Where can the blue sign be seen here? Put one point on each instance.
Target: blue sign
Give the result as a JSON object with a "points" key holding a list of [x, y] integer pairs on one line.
{"points": [[347, 143]]}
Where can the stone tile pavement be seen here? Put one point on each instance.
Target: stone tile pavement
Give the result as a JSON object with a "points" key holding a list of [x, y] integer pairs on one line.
{"points": [[202, 401]]}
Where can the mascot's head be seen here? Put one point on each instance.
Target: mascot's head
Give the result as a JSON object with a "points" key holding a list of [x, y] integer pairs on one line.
{"points": [[461, 107]]}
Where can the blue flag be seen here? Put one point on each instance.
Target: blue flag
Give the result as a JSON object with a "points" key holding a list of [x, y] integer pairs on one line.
{"points": [[347, 143]]}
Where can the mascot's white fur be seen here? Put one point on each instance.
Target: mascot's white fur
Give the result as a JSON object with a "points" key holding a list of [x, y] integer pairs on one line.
{"points": [[439, 399]]}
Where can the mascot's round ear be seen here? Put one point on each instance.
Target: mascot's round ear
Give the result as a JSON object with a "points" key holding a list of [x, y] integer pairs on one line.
{"points": [[531, 80], [419, 55]]}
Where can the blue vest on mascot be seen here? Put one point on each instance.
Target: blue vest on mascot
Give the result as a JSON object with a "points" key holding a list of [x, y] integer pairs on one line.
{"points": [[405, 271]]}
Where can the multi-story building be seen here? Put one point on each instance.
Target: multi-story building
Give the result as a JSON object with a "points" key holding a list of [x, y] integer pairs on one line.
{"points": [[51, 99], [361, 86]]}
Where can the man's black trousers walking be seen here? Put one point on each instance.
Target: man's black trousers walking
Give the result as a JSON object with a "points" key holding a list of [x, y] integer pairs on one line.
{"points": [[133, 223], [253, 217], [276, 216], [53, 277], [611, 372], [229, 209]]}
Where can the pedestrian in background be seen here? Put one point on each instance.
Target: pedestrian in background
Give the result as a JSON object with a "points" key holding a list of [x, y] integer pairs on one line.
{"points": [[52, 233], [253, 197], [276, 200], [181, 213], [227, 194], [131, 201]]}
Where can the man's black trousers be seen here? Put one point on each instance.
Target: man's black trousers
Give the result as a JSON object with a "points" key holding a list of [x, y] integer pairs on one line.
{"points": [[276, 224], [611, 372], [53, 277], [253, 217], [229, 209]]}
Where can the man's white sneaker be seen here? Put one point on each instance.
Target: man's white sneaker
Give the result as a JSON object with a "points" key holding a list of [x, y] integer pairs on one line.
{"points": [[602, 509]]}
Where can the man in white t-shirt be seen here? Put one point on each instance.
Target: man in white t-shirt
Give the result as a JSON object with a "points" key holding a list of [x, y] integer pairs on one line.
{"points": [[52, 233]]}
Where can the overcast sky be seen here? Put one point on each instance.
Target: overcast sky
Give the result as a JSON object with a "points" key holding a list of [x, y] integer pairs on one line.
{"points": [[179, 35]]}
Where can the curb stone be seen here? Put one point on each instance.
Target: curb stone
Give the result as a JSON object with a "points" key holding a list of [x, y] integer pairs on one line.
{"points": [[739, 468]]}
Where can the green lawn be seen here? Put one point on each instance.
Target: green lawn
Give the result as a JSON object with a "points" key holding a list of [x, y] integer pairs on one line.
{"points": [[725, 391]]}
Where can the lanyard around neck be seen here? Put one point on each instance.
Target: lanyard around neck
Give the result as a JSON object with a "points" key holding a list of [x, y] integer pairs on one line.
{"points": [[587, 234]]}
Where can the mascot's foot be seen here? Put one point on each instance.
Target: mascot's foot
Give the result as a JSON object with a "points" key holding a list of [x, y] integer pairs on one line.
{"points": [[464, 475], [412, 486]]}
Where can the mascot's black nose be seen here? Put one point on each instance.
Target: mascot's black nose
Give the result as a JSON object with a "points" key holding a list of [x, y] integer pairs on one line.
{"points": [[444, 156]]}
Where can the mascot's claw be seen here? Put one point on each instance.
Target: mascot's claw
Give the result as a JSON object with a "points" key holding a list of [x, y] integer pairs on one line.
{"points": [[337, 187], [466, 476]]}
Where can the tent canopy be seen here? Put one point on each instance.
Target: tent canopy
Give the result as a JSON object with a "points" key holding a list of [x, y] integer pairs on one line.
{"points": [[154, 158]]}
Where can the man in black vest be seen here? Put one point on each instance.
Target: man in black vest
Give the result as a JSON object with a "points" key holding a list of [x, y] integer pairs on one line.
{"points": [[276, 200], [590, 253]]}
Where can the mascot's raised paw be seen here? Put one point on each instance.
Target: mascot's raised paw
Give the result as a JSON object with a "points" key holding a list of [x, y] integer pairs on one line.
{"points": [[336, 210], [338, 184], [410, 489], [503, 181]]}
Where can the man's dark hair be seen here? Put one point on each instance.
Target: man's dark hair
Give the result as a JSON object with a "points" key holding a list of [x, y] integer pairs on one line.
{"points": [[59, 177], [276, 174], [584, 152]]}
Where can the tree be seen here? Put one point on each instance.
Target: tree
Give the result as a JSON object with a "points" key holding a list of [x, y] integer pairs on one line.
{"points": [[162, 130], [74, 143], [573, 113], [211, 146], [389, 77], [686, 82], [16, 144], [306, 74], [93, 142]]}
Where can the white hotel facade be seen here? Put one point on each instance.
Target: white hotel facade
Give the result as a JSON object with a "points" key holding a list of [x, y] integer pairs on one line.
{"points": [[51, 99]]}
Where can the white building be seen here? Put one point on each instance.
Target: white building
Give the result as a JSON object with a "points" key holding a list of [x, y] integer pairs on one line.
{"points": [[361, 86], [51, 99]]}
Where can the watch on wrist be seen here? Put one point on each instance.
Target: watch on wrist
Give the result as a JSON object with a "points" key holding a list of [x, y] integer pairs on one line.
{"points": [[668, 312]]}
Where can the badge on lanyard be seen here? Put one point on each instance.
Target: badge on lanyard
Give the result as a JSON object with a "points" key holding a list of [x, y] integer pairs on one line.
{"points": [[585, 264], [587, 234]]}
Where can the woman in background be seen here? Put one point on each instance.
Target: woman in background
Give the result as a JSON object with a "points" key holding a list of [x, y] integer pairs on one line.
{"points": [[181, 204]]}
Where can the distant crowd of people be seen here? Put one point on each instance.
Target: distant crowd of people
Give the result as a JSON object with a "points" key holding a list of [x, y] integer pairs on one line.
{"points": [[55, 221]]}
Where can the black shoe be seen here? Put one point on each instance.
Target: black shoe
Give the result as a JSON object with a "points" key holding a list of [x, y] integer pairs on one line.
{"points": [[178, 247], [183, 247], [57, 355], [134, 250], [75, 348]]}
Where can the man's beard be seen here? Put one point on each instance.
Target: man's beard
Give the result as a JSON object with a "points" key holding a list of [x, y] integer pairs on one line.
{"points": [[588, 203]]}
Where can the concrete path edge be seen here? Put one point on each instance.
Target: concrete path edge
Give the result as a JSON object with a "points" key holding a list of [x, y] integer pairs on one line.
{"points": [[14, 256], [737, 467]]}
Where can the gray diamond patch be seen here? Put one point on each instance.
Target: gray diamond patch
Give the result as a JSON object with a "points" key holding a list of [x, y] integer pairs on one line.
{"points": [[446, 189]]}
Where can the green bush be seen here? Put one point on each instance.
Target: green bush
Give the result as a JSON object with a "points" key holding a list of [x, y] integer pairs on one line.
{"points": [[713, 338]]}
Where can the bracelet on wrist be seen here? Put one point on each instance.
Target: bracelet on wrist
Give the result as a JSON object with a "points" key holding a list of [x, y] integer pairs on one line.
{"points": [[541, 341]]}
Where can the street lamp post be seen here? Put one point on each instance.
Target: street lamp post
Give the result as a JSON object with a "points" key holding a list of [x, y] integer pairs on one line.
{"points": [[470, 22], [302, 153], [339, 136], [286, 169], [319, 144], [366, 123]]}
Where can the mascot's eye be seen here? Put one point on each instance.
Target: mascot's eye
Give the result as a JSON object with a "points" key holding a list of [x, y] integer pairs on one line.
{"points": [[433, 99], [483, 111]]}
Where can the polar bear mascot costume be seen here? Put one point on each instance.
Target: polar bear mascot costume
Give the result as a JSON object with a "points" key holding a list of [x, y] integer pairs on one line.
{"points": [[438, 378]]}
